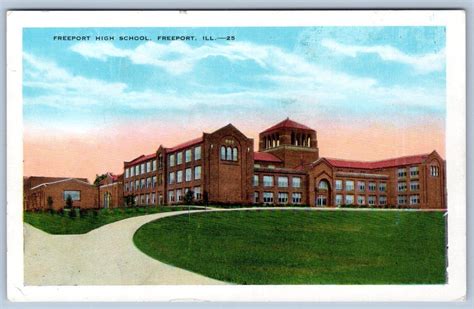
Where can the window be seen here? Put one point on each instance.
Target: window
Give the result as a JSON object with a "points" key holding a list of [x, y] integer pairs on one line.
{"points": [[255, 180], [372, 186], [142, 183], [349, 185], [414, 172], [153, 198], [256, 165], [338, 185], [361, 186], [268, 197], [372, 200], [197, 193], [349, 200], [126, 172], [187, 155], [170, 196], [321, 200], [414, 199], [271, 166], [137, 184], [383, 200], [188, 174], [338, 199], [296, 198], [148, 182], [323, 185], [402, 186], [137, 170], [401, 199], [154, 182], [283, 182], [222, 152], [148, 166], [179, 158], [197, 172], [132, 186], [382, 187], [179, 195], [414, 186], [160, 161], [402, 173], [256, 197], [135, 199], [126, 187], [160, 179], [228, 155], [154, 165], [179, 176], [132, 171], [142, 169], [282, 198], [171, 160], [197, 153], [361, 200], [75, 195], [235, 154], [296, 182], [171, 178], [147, 199], [434, 170], [268, 181]]}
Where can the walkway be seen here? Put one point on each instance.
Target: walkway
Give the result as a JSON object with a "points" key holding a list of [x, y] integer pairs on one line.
{"points": [[104, 256]]}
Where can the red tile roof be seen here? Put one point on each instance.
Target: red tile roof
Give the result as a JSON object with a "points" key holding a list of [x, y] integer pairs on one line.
{"points": [[140, 159], [415, 159], [185, 145], [287, 123], [265, 156]]}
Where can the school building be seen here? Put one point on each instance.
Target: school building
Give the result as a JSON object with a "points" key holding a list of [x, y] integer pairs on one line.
{"points": [[224, 167]]}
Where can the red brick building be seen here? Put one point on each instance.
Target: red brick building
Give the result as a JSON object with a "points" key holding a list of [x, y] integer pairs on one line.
{"points": [[111, 191], [223, 167], [42, 193]]}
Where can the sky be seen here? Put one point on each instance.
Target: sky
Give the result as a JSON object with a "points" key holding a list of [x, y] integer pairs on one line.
{"points": [[88, 105]]}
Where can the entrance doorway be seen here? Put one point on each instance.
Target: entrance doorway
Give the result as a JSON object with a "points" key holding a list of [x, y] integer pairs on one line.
{"points": [[323, 193]]}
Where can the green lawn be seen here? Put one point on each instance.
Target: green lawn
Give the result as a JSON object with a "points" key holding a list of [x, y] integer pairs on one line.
{"points": [[302, 247], [63, 224]]}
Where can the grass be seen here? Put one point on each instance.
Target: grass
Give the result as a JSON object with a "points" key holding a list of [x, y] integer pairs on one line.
{"points": [[63, 224], [302, 247]]}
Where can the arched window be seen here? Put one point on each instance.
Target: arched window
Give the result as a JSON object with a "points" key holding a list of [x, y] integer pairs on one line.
{"points": [[323, 185], [235, 154], [229, 154], [222, 152]]}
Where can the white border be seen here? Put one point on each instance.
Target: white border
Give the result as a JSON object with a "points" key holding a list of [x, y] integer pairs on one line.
{"points": [[455, 155]]}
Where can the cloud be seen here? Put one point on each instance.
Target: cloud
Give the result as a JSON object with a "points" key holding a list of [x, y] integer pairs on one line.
{"points": [[176, 57], [427, 63]]}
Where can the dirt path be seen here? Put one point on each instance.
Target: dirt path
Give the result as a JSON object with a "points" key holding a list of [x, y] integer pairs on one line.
{"points": [[104, 256]]}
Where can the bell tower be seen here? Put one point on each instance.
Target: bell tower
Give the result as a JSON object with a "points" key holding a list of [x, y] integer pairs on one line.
{"points": [[292, 142]]}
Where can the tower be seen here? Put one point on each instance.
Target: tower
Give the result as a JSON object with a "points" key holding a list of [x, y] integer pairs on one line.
{"points": [[292, 142]]}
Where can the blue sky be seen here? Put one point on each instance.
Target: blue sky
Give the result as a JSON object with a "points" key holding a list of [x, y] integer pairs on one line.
{"points": [[381, 74]]}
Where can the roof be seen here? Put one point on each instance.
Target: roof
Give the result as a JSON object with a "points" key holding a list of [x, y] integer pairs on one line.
{"points": [[415, 159], [141, 159], [288, 123], [185, 144], [265, 156], [58, 181], [33, 181]]}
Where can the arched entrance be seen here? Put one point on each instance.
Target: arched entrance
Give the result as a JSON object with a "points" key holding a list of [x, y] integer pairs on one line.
{"points": [[323, 193], [107, 199]]}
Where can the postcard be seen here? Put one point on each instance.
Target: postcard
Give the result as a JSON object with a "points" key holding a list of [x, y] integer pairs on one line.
{"points": [[236, 156]]}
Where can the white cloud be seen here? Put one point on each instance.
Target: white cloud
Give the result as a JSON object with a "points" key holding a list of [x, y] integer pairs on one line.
{"points": [[427, 63]]}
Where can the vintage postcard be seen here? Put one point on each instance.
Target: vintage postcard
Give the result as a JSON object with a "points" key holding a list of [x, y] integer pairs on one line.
{"points": [[236, 156]]}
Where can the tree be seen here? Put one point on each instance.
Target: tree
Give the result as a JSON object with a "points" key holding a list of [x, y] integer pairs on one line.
{"points": [[69, 201], [49, 200], [189, 197], [99, 178]]}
